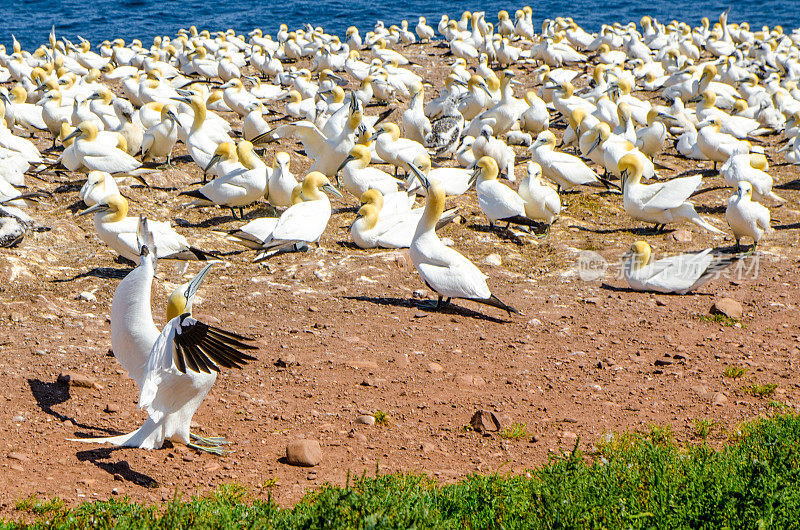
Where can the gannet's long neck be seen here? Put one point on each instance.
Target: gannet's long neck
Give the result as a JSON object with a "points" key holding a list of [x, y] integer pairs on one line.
{"points": [[434, 206], [133, 331]]}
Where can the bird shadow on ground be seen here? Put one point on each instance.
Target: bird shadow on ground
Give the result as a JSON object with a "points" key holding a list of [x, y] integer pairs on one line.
{"points": [[97, 272], [48, 395], [503, 233], [791, 185], [69, 187], [206, 223], [617, 289], [786, 227], [634, 231], [427, 306], [100, 458], [345, 209], [701, 208], [707, 190]]}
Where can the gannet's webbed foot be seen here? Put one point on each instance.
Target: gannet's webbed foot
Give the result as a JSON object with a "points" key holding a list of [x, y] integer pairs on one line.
{"points": [[210, 440], [214, 450]]}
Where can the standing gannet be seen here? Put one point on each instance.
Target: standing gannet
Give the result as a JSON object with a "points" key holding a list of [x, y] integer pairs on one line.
{"points": [[565, 170], [745, 217], [416, 126], [445, 135], [442, 268], [424, 31], [303, 222], [496, 200], [542, 202], [160, 139], [174, 369], [399, 152], [119, 232], [202, 136], [675, 274], [240, 184], [661, 203]]}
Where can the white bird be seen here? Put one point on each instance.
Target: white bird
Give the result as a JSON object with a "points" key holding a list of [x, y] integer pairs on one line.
{"points": [[661, 203], [542, 202], [174, 369], [357, 177], [303, 222], [159, 140], [750, 167], [442, 268], [281, 182], [745, 217], [241, 184], [565, 170], [676, 274], [98, 187], [119, 232], [496, 200]]}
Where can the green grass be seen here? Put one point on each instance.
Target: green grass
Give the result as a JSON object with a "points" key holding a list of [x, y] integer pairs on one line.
{"points": [[703, 428], [632, 481], [761, 390], [719, 319], [381, 418], [515, 431], [734, 372]]}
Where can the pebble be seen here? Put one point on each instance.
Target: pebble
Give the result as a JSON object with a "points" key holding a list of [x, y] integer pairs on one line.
{"points": [[569, 437], [19, 457], [421, 293], [427, 448], [682, 236], [435, 368], [719, 399], [402, 361], [284, 361], [78, 379], [728, 307], [360, 438], [493, 259], [469, 380], [365, 419], [111, 408], [303, 452], [18, 418], [86, 296], [484, 421]]}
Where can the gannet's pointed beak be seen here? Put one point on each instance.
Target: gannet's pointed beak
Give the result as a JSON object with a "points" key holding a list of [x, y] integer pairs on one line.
{"points": [[420, 175], [99, 207], [214, 159], [347, 159], [194, 283], [594, 145], [330, 189]]}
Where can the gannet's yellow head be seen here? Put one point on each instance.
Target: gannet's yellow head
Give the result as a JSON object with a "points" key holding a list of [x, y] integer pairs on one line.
{"points": [[86, 130], [370, 214], [245, 154], [373, 197], [631, 168], [486, 169], [114, 208], [391, 129], [181, 299], [640, 252], [545, 138], [314, 184]]}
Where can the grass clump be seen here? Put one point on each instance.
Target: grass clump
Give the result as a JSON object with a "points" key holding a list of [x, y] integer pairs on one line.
{"points": [[515, 431], [761, 390], [734, 372], [381, 418], [633, 481], [703, 428], [719, 318]]}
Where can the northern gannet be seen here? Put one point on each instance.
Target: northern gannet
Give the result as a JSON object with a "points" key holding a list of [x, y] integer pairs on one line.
{"points": [[542, 202], [442, 268], [174, 369], [676, 274], [119, 232], [662, 203], [745, 217]]}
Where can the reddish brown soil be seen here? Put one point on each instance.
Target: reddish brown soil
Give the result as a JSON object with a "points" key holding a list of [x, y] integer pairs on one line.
{"points": [[584, 358]]}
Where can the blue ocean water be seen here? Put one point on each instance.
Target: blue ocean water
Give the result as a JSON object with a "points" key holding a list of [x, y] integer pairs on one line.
{"points": [[96, 20]]}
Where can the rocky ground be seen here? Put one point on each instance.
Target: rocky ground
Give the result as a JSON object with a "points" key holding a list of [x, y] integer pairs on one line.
{"points": [[344, 337]]}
